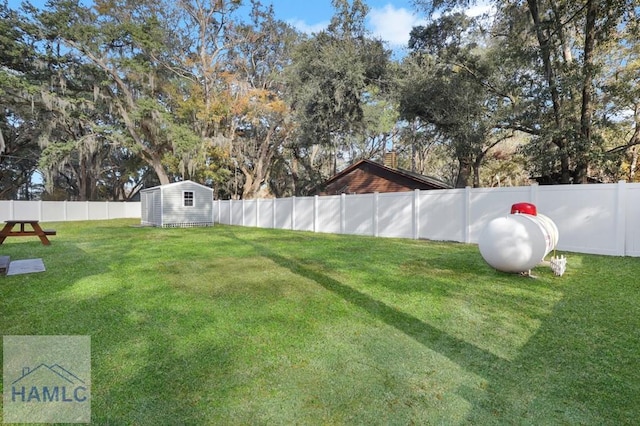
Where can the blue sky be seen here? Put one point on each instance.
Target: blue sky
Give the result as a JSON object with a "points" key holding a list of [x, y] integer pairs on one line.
{"points": [[389, 20]]}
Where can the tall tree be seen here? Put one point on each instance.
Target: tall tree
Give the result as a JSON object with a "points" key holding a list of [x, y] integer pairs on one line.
{"points": [[621, 86], [75, 137], [124, 41], [563, 45], [226, 88], [22, 70], [331, 79], [450, 83], [261, 118]]}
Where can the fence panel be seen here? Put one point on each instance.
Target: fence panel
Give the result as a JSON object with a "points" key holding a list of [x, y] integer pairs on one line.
{"points": [[76, 211], [224, 211], [599, 219], [359, 212], [61, 211], [265, 207], [284, 213], [26, 210], [632, 221], [395, 215], [441, 215], [121, 210], [237, 213], [98, 211], [54, 211], [328, 214], [250, 212], [304, 210], [6, 210], [586, 219], [485, 204]]}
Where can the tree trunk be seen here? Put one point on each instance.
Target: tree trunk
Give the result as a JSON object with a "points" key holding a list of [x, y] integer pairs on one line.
{"points": [[634, 164], [586, 112], [156, 163], [83, 180], [545, 51], [464, 173], [565, 173], [262, 165], [633, 142], [248, 189], [476, 172]]}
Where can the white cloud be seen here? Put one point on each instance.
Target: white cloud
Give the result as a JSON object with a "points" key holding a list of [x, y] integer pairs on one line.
{"points": [[393, 25], [390, 24], [480, 9], [302, 26]]}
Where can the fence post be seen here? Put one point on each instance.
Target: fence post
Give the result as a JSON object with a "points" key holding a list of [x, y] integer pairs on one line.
{"points": [[216, 206], [242, 208], [40, 210], [230, 211], [12, 212], [257, 212], [343, 202], [533, 193], [467, 214], [621, 218], [375, 213], [293, 213], [315, 213], [274, 211], [416, 214]]}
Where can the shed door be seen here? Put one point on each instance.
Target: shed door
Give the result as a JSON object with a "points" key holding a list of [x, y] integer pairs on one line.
{"points": [[144, 197], [150, 209]]}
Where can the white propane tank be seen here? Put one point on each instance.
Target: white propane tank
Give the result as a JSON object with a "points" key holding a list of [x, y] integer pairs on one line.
{"points": [[519, 241]]}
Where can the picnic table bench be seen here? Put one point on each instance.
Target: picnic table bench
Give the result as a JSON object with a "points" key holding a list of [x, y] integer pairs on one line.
{"points": [[35, 230]]}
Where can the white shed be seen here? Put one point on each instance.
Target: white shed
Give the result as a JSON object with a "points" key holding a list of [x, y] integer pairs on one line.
{"points": [[177, 205]]}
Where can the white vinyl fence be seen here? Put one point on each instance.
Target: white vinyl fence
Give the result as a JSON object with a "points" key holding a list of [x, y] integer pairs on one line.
{"points": [[62, 211], [598, 219]]}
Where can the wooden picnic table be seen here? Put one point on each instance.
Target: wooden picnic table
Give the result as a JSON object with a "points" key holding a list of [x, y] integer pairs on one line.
{"points": [[35, 230]]}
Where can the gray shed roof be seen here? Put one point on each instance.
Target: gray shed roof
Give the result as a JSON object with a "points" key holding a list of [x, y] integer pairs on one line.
{"points": [[183, 182]]}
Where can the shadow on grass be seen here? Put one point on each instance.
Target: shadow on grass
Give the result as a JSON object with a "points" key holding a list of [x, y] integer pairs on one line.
{"points": [[65, 263], [578, 367], [458, 350], [558, 374], [151, 363], [158, 348]]}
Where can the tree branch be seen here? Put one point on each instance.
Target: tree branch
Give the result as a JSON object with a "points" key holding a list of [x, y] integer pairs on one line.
{"points": [[635, 140], [485, 83]]}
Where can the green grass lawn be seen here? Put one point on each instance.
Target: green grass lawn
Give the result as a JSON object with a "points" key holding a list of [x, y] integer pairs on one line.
{"points": [[231, 325]]}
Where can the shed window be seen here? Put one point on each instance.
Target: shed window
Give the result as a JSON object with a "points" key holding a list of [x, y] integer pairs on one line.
{"points": [[187, 197]]}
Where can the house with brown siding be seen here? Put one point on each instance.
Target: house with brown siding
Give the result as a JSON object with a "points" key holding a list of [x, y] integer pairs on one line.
{"points": [[366, 176]]}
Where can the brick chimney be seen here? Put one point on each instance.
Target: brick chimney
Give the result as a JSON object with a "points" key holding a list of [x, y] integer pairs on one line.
{"points": [[390, 160]]}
